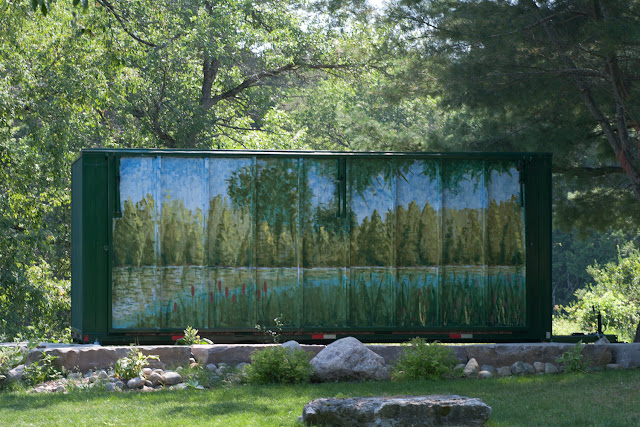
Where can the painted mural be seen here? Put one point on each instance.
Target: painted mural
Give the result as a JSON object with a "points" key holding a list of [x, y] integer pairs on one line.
{"points": [[225, 243]]}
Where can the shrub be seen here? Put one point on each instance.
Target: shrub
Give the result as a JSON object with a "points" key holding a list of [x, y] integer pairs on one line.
{"points": [[422, 360], [573, 360], [41, 371], [191, 337], [279, 365], [616, 294], [131, 366], [10, 357]]}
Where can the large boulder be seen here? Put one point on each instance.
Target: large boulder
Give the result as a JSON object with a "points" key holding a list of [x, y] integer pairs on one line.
{"points": [[626, 355], [347, 359], [440, 410]]}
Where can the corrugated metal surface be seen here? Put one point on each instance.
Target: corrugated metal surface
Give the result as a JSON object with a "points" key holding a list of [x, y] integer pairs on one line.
{"points": [[383, 246]]}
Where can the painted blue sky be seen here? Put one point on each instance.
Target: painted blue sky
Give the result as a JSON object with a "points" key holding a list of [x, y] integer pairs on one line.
{"points": [[378, 196], [197, 180], [137, 178], [184, 178]]}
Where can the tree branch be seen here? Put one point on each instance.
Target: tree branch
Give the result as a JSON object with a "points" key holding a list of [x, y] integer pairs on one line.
{"points": [[109, 7]]}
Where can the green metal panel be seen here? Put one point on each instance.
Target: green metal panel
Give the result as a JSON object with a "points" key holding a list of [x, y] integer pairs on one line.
{"points": [[77, 260], [383, 246]]}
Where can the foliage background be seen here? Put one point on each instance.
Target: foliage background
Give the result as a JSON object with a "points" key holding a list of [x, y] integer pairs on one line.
{"points": [[419, 75]]}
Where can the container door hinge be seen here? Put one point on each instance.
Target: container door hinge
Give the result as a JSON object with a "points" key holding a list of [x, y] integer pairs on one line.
{"points": [[106, 248]]}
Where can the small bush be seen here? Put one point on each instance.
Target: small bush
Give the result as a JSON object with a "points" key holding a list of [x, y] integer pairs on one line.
{"points": [[41, 371], [10, 357], [573, 360], [131, 366], [191, 337], [422, 360], [279, 365]]}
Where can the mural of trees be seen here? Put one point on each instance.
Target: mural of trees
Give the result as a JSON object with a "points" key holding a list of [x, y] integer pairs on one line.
{"points": [[290, 212], [134, 234]]}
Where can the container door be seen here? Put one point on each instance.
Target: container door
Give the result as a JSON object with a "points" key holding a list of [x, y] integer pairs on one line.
{"points": [[230, 293], [462, 286], [418, 242], [278, 276], [324, 251], [371, 192]]}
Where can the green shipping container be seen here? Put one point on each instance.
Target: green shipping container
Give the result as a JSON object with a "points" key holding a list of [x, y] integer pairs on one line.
{"points": [[380, 246]]}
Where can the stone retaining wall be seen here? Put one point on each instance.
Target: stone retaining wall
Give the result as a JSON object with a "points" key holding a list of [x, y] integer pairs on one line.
{"points": [[92, 357]]}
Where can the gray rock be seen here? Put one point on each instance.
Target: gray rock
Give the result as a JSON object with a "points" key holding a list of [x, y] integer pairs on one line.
{"points": [[103, 375], [242, 366], [485, 374], [459, 367], [211, 367], [292, 345], [111, 387], [626, 355], [147, 371], [180, 386], [504, 371], [602, 340], [539, 367], [60, 389], [347, 359], [74, 375], [135, 383], [15, 374], [613, 367], [171, 378], [147, 388], [441, 410], [550, 368], [489, 368], [154, 378], [471, 369], [522, 368], [148, 383]]}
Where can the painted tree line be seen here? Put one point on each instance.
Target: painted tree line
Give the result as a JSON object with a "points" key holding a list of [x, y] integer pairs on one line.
{"points": [[422, 237]]}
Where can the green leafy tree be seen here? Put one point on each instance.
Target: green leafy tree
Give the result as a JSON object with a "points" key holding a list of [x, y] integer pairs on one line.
{"points": [[542, 76], [616, 294]]}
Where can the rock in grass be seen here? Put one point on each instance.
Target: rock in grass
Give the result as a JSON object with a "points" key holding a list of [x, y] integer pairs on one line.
{"points": [[347, 359], [504, 371], [439, 410], [135, 383], [522, 368], [472, 368], [171, 378], [488, 368], [485, 374], [550, 368], [539, 367]]}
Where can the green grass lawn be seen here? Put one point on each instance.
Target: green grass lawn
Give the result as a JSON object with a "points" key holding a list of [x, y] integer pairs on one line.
{"points": [[601, 398]]}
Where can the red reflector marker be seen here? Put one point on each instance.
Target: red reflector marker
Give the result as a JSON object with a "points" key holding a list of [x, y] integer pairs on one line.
{"points": [[176, 337], [317, 336], [86, 338], [455, 336]]}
